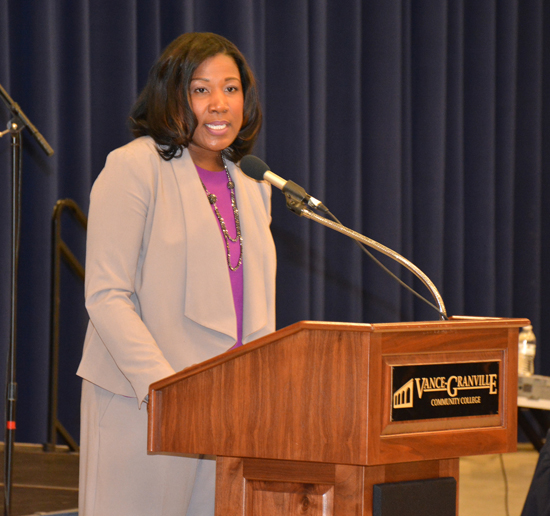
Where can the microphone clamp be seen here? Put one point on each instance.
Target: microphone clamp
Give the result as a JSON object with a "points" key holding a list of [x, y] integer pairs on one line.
{"points": [[296, 196]]}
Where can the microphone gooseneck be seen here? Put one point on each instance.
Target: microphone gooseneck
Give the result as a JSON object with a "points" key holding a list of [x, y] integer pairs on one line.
{"points": [[299, 202]]}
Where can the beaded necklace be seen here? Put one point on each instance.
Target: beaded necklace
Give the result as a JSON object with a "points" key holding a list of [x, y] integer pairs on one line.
{"points": [[238, 238]]}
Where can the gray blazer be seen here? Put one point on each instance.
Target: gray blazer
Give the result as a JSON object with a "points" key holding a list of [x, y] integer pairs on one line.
{"points": [[157, 290]]}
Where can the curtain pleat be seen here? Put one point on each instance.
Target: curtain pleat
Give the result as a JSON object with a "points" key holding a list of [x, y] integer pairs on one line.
{"points": [[423, 124], [428, 88], [384, 122], [543, 322], [505, 150], [479, 153], [528, 163], [454, 195]]}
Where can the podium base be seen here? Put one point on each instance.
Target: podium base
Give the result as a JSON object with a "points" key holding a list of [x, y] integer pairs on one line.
{"points": [[256, 487]]}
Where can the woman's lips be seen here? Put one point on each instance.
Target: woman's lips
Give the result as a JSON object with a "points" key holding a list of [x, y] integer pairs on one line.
{"points": [[217, 127]]}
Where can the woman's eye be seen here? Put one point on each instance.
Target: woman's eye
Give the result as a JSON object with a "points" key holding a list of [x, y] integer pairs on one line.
{"points": [[232, 89], [200, 90]]}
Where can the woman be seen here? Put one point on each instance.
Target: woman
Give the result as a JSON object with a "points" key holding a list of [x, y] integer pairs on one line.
{"points": [[180, 267]]}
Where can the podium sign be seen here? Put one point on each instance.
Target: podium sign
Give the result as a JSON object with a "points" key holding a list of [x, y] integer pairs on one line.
{"points": [[444, 390]]}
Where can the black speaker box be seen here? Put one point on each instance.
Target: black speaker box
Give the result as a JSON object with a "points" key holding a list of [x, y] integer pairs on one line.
{"points": [[433, 497]]}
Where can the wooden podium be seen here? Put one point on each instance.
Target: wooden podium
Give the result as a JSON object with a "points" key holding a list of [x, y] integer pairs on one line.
{"points": [[313, 419]]}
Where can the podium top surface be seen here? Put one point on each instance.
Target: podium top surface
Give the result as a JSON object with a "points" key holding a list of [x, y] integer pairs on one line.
{"points": [[453, 324]]}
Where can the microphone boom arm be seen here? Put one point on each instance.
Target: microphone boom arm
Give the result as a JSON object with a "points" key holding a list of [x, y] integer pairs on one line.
{"points": [[304, 212]]}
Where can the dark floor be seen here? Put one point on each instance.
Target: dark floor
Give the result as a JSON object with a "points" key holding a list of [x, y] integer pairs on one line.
{"points": [[42, 482]]}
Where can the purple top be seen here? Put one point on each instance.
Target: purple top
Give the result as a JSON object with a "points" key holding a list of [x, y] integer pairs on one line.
{"points": [[216, 183]]}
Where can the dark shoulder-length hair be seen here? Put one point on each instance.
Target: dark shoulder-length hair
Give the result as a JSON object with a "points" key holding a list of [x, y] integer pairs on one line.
{"points": [[163, 111]]}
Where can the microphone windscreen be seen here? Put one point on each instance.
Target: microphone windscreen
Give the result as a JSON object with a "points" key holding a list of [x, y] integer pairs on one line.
{"points": [[253, 167]]}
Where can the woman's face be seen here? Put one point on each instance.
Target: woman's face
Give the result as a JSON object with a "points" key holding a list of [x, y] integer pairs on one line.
{"points": [[216, 98]]}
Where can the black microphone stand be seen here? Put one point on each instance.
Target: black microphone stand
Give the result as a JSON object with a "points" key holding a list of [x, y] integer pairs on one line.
{"points": [[15, 127]]}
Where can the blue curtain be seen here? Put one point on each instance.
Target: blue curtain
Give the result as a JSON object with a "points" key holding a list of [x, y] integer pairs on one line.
{"points": [[423, 124]]}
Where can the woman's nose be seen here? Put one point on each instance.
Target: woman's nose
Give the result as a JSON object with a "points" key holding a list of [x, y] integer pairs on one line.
{"points": [[218, 101]]}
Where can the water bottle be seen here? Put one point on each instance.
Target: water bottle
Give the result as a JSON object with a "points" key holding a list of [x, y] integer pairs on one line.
{"points": [[527, 347]]}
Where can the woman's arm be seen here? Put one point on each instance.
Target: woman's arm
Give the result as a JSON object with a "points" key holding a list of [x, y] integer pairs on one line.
{"points": [[120, 202]]}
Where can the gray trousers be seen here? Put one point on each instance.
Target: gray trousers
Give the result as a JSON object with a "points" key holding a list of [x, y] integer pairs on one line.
{"points": [[119, 478]]}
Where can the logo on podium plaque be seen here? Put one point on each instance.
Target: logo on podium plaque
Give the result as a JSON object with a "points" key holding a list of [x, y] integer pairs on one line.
{"points": [[431, 391]]}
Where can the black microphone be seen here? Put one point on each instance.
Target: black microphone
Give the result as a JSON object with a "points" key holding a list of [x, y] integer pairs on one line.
{"points": [[256, 169]]}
